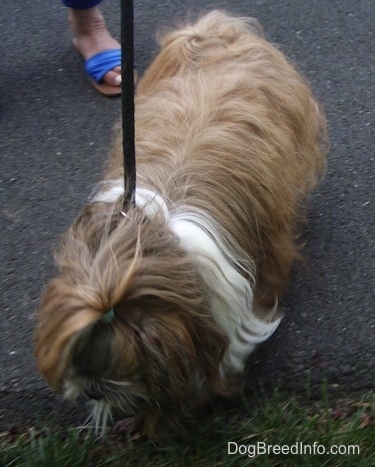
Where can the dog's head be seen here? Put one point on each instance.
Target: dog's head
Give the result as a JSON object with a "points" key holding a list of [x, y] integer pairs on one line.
{"points": [[126, 322]]}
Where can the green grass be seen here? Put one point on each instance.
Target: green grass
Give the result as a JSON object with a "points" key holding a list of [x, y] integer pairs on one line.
{"points": [[277, 421]]}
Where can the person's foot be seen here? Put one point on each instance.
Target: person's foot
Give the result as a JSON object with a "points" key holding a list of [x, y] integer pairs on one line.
{"points": [[91, 36]]}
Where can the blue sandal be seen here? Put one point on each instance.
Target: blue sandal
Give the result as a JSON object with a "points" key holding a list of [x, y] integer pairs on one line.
{"points": [[98, 65]]}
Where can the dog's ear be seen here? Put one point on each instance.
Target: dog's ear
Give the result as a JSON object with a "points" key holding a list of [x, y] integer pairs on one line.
{"points": [[180, 350], [71, 333], [170, 353], [68, 314]]}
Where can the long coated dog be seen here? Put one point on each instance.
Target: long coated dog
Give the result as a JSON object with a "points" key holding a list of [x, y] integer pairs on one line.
{"points": [[157, 308]]}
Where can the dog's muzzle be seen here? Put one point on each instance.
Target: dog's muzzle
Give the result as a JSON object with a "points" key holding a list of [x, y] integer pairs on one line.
{"points": [[93, 393]]}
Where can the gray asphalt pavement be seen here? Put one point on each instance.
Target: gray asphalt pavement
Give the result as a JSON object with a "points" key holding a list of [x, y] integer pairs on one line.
{"points": [[54, 134]]}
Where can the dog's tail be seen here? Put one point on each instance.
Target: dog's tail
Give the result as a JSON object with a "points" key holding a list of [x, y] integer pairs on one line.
{"points": [[198, 43]]}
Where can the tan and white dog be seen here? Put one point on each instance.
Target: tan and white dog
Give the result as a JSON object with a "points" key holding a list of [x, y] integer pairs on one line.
{"points": [[156, 309]]}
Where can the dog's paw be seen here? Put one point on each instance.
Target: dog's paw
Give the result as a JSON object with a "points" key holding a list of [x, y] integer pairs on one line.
{"points": [[128, 426]]}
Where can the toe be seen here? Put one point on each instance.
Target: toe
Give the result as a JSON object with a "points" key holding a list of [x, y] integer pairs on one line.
{"points": [[113, 77]]}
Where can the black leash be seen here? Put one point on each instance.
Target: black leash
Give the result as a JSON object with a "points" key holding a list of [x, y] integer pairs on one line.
{"points": [[127, 67]]}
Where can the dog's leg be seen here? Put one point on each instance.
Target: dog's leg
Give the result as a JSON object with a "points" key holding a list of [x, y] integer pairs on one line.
{"points": [[274, 271]]}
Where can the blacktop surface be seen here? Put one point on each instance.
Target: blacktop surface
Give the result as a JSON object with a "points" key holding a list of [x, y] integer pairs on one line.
{"points": [[54, 135]]}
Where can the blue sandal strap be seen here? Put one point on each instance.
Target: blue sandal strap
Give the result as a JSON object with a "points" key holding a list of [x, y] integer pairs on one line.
{"points": [[98, 65]]}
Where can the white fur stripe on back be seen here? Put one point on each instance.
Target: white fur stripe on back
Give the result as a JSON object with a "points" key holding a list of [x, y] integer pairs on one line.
{"points": [[229, 293], [145, 199]]}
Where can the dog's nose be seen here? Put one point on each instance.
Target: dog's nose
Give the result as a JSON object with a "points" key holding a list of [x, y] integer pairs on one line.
{"points": [[93, 393]]}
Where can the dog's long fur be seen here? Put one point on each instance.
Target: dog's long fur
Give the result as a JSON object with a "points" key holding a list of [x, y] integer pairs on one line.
{"points": [[230, 142]]}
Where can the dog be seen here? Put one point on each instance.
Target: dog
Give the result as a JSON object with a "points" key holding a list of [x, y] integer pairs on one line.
{"points": [[157, 308]]}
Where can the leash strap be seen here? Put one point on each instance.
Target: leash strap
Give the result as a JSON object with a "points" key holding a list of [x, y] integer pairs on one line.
{"points": [[127, 67]]}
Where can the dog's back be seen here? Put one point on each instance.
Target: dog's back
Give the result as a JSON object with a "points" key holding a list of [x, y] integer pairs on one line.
{"points": [[226, 125]]}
